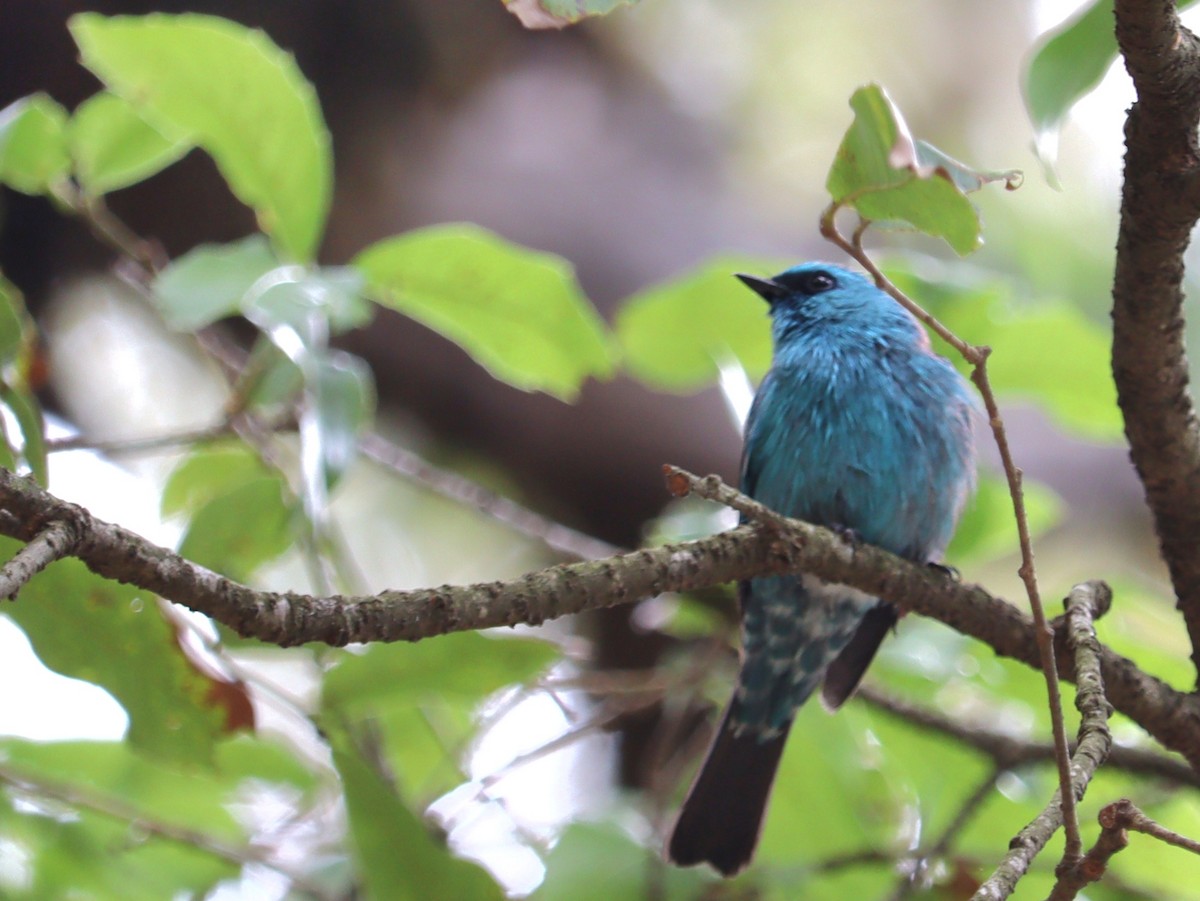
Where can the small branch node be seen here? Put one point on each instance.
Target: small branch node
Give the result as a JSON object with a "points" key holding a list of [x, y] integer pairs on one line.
{"points": [[55, 541]]}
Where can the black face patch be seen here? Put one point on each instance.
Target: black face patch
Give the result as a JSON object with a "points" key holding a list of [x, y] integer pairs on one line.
{"points": [[810, 282]]}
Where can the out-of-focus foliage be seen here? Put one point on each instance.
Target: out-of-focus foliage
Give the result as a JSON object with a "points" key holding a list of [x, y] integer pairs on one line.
{"points": [[187, 801]]}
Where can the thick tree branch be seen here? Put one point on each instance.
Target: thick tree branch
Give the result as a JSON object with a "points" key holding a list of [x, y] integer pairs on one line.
{"points": [[1172, 717], [1158, 211]]}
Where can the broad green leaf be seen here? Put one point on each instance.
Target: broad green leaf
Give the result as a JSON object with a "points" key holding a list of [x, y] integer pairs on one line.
{"points": [[209, 282], [518, 312], [560, 13], [677, 335], [345, 407], [1048, 352], [33, 144], [397, 855], [238, 531], [892, 179], [114, 147], [90, 628], [231, 91], [463, 664], [988, 528]]}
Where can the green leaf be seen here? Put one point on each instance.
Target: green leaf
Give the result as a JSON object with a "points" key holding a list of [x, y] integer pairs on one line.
{"points": [[14, 322], [463, 664], [269, 378], [33, 144], [207, 473], [676, 336], [235, 94], [75, 852], [28, 413], [988, 527], [397, 856], [1048, 352], [560, 13], [518, 312], [1067, 64], [114, 147], [239, 518], [209, 282], [237, 532], [345, 407], [890, 178], [599, 861], [89, 628]]}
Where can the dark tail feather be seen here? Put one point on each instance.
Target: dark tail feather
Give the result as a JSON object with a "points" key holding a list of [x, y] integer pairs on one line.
{"points": [[848, 667], [723, 812]]}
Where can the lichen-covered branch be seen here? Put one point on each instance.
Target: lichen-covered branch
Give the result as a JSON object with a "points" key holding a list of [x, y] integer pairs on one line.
{"points": [[1172, 717], [1085, 603]]}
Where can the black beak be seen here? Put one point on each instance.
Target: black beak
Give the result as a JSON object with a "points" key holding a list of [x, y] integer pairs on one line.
{"points": [[768, 290]]}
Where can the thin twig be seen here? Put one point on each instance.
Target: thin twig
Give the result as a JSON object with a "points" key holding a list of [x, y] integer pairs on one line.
{"points": [[560, 538], [56, 541], [977, 357]]}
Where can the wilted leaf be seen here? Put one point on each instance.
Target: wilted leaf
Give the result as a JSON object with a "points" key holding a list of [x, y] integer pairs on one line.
{"points": [[560, 13]]}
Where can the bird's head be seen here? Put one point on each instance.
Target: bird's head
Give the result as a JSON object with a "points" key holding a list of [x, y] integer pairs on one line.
{"points": [[814, 296]]}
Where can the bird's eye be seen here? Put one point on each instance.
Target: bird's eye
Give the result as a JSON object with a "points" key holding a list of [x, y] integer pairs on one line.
{"points": [[817, 282]]}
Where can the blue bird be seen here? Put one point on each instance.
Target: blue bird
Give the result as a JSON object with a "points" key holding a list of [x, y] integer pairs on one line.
{"points": [[858, 426]]}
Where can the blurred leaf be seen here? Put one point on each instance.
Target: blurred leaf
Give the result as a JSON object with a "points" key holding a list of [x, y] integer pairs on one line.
{"points": [[333, 294], [890, 178], [208, 282], [237, 532], [91, 855], [207, 473], [464, 664], [13, 319], [988, 528], [238, 516], [28, 413], [425, 744], [675, 336], [269, 378], [114, 636], [114, 147], [397, 856], [1048, 352], [345, 408], [598, 862], [33, 144], [518, 312], [235, 94], [560, 13]]}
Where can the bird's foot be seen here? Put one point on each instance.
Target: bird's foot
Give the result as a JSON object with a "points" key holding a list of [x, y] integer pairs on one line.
{"points": [[950, 572], [847, 534]]}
